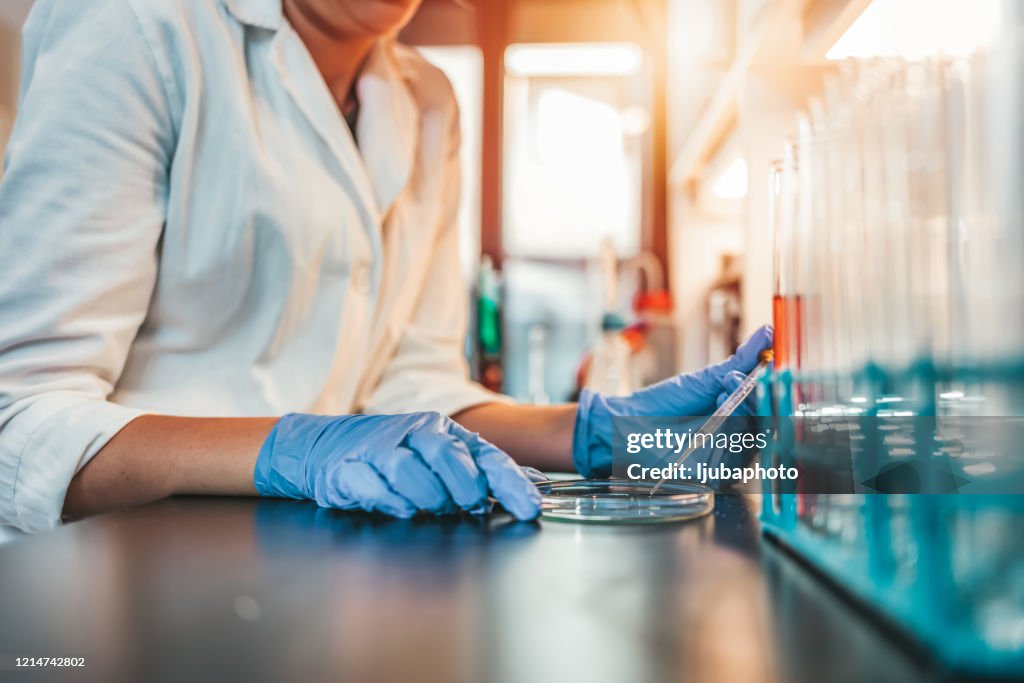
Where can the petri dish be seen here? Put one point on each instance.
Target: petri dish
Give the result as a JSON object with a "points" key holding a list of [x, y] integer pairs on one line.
{"points": [[622, 501]]}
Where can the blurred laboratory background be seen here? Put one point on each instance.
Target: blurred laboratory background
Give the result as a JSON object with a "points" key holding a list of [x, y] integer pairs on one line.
{"points": [[620, 218], [647, 181]]}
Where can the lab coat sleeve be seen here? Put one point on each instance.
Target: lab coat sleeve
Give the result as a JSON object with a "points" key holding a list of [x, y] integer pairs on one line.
{"points": [[81, 212], [429, 369]]}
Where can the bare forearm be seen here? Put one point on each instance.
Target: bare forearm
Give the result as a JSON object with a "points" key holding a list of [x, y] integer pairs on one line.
{"points": [[156, 456], [537, 436]]}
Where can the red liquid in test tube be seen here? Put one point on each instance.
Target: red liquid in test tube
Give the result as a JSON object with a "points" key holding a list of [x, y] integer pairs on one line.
{"points": [[787, 314]]}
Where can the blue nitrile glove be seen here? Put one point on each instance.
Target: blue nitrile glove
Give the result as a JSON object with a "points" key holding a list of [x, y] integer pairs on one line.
{"points": [[395, 464], [535, 475], [698, 393]]}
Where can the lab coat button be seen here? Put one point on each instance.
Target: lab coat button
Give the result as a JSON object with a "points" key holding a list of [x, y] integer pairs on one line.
{"points": [[361, 279]]}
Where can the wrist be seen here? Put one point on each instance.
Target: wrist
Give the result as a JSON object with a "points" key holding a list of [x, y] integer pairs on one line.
{"points": [[591, 443], [263, 471], [282, 467]]}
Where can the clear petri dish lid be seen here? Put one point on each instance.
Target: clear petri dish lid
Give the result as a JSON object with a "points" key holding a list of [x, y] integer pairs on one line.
{"points": [[622, 501]]}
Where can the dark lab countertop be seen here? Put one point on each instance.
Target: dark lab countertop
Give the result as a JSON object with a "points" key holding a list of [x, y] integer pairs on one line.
{"points": [[227, 589]]}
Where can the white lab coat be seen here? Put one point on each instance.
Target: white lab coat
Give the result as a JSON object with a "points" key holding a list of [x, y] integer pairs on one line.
{"points": [[187, 227]]}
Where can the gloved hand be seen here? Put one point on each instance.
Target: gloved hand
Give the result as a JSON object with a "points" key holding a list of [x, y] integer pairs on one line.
{"points": [[534, 475], [690, 395], [395, 464]]}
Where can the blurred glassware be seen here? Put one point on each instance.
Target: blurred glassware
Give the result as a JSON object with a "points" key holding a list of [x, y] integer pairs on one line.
{"points": [[897, 229], [786, 301]]}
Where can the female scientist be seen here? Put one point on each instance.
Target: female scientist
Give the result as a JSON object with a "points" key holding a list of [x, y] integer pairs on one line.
{"points": [[219, 210]]}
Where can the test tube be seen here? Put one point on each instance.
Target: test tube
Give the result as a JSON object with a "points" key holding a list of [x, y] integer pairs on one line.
{"points": [[895, 244], [851, 217], [873, 289], [806, 271], [786, 301], [927, 211], [1005, 146]]}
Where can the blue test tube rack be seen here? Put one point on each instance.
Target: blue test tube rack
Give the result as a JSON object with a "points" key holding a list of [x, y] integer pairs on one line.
{"points": [[945, 570]]}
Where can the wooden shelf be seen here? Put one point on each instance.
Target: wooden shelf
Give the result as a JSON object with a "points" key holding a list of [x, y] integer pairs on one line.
{"points": [[711, 128], [825, 21], [771, 48]]}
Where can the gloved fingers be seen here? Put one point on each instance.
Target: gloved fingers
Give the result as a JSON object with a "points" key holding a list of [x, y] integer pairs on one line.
{"points": [[328, 494], [450, 459], [360, 481], [730, 383], [683, 395], [506, 480], [534, 475], [745, 358], [408, 476]]}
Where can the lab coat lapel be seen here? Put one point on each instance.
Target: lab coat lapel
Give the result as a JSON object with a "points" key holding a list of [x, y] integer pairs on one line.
{"points": [[388, 126], [303, 82], [265, 14]]}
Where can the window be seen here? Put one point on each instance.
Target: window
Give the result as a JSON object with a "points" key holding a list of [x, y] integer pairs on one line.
{"points": [[463, 65], [574, 149], [575, 139]]}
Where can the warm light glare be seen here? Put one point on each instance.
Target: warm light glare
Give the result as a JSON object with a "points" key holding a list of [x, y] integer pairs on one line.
{"points": [[569, 184], [574, 146], [463, 65], [919, 28], [732, 184], [591, 59]]}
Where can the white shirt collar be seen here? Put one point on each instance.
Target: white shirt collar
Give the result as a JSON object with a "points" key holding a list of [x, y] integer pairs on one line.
{"points": [[268, 14], [388, 125]]}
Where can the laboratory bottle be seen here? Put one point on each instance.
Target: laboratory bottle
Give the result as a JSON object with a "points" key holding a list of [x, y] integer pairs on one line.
{"points": [[612, 370]]}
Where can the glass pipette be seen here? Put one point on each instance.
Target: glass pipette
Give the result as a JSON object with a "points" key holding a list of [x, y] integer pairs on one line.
{"points": [[728, 408]]}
